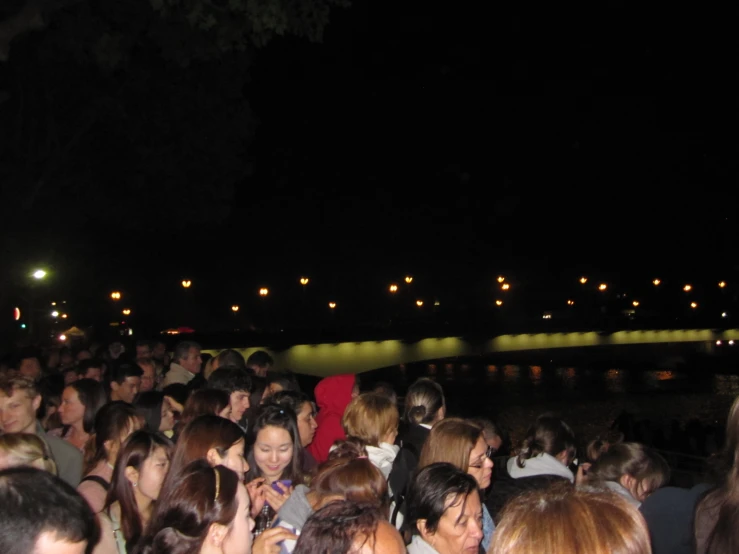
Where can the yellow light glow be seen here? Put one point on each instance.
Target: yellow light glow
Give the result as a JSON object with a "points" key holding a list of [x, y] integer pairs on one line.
{"points": [[64, 316], [419, 303], [304, 281], [498, 302], [583, 280], [234, 308], [62, 337], [656, 282], [721, 284], [125, 312], [570, 302], [602, 286], [408, 279], [501, 279], [264, 291], [332, 305], [635, 303], [688, 288], [694, 305], [115, 295], [393, 288], [505, 286], [186, 283]]}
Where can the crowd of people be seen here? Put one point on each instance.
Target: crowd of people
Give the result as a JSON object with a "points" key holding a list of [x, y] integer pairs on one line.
{"points": [[155, 452]]}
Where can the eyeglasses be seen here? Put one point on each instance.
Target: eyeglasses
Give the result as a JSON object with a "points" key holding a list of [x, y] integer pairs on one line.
{"points": [[489, 453]]}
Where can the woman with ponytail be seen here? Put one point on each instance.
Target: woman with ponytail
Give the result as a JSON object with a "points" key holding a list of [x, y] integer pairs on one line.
{"points": [[113, 424]]}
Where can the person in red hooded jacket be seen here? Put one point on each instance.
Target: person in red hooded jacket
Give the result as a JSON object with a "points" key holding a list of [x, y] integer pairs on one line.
{"points": [[333, 395]]}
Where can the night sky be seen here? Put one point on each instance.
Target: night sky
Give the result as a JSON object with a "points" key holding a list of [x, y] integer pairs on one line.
{"points": [[451, 144]]}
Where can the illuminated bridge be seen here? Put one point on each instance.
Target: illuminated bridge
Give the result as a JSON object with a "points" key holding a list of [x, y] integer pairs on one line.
{"points": [[356, 357]]}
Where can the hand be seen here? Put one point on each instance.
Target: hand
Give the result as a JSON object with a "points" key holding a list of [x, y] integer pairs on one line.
{"points": [[176, 406], [269, 541], [256, 495], [582, 473], [275, 499]]}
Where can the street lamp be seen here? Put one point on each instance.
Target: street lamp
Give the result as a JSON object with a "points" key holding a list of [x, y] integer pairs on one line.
{"points": [[602, 287], [393, 288], [721, 284], [419, 303], [635, 303], [116, 295], [54, 314], [501, 278], [39, 274], [332, 305], [505, 286], [408, 279], [583, 280], [126, 312], [234, 308], [688, 288], [304, 281], [656, 282], [694, 305], [186, 283], [498, 302], [570, 302], [264, 291]]}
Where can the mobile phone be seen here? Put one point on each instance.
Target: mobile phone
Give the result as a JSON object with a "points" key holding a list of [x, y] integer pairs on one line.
{"points": [[285, 482]]}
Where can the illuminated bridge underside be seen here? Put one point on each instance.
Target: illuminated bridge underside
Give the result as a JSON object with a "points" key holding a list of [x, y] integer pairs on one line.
{"points": [[356, 357]]}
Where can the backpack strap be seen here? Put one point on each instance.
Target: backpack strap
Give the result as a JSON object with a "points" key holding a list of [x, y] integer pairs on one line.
{"points": [[97, 479]]}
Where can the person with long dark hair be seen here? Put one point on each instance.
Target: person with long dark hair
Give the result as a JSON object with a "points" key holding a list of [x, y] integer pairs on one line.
{"points": [[81, 401], [137, 480]]}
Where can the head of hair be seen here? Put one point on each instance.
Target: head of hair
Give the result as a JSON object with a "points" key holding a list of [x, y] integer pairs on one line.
{"points": [[289, 399], [34, 502], [182, 350], [350, 474], [370, 417], [149, 406], [260, 358], [92, 396], [284, 378], [548, 435], [489, 429], [84, 365], [134, 452], [423, 401], [27, 449], [178, 391], [601, 444], [563, 519], [385, 388], [124, 370], [11, 385], [433, 490], [230, 358], [451, 441], [230, 379], [198, 437], [185, 510], [645, 465], [112, 421], [204, 402], [282, 418], [340, 527]]}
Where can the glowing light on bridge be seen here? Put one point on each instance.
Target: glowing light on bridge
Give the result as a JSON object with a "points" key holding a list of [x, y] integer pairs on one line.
{"points": [[602, 287], [505, 286], [234, 308], [332, 305], [419, 303], [570, 302], [408, 279], [583, 280], [656, 282], [264, 291], [501, 279], [635, 303], [688, 288], [186, 283], [721, 284], [498, 302], [694, 305], [304, 281], [393, 288]]}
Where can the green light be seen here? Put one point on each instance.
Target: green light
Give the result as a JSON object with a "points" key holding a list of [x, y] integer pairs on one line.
{"points": [[23, 325]]}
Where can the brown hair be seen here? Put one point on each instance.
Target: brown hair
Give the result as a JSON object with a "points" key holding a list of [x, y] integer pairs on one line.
{"points": [[27, 449], [630, 458], [369, 417], [9, 385], [451, 440], [186, 509], [548, 435], [562, 520], [111, 422], [203, 402], [423, 400], [350, 474]]}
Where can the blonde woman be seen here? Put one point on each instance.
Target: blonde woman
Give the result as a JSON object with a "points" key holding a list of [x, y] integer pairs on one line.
{"points": [[25, 449]]}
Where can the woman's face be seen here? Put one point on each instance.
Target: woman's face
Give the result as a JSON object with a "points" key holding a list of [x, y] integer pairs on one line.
{"points": [[167, 421], [481, 466], [306, 424], [152, 474], [71, 410], [273, 452], [460, 528], [238, 540], [234, 459]]}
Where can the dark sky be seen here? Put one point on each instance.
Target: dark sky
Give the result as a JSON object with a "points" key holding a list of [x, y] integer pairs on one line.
{"points": [[469, 139]]}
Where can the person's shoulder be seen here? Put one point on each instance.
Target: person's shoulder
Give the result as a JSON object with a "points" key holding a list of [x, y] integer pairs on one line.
{"points": [[59, 446]]}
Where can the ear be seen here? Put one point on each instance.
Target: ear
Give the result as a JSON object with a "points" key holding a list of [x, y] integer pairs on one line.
{"points": [[36, 403], [629, 483], [132, 474], [112, 447], [563, 457], [216, 534], [425, 534], [213, 457], [114, 385]]}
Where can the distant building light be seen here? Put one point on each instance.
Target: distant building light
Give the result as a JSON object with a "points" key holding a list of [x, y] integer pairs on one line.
{"points": [[547, 315], [731, 343]]}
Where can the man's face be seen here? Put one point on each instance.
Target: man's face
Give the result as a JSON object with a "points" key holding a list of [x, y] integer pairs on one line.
{"points": [[18, 412], [143, 352], [128, 389], [31, 368], [95, 373], [239, 404], [192, 362], [147, 379]]}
